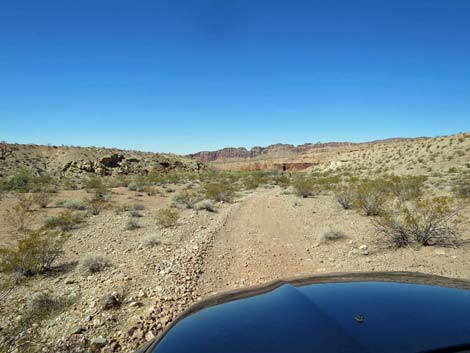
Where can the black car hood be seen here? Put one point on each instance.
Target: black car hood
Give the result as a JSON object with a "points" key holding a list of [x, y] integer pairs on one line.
{"points": [[394, 312]]}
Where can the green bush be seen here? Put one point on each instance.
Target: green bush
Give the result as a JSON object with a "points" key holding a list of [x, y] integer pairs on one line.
{"points": [[42, 198], [65, 221], [424, 221], [186, 198], [462, 186], [220, 192], [34, 254], [371, 196], [346, 196], [304, 187], [167, 217], [20, 215]]}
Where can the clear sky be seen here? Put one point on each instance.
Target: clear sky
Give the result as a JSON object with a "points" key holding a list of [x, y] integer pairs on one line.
{"points": [[183, 76]]}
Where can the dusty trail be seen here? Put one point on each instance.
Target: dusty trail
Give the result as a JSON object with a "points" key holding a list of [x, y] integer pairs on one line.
{"points": [[269, 235]]}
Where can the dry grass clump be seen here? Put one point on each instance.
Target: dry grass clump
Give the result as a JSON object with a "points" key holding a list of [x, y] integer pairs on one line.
{"points": [[43, 305], [424, 221], [151, 240], [34, 254], [332, 235], [132, 224], [167, 217], [91, 263], [207, 205], [76, 205]]}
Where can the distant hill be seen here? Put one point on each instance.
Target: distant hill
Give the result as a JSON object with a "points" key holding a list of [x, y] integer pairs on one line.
{"points": [[64, 160]]}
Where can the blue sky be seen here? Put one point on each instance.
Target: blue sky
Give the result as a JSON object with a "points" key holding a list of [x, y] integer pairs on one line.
{"points": [[183, 76]]}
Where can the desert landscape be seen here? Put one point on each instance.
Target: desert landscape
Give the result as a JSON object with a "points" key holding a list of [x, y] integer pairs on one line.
{"points": [[102, 248]]}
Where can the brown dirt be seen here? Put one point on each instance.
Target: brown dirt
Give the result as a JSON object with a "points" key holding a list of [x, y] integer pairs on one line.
{"points": [[271, 235]]}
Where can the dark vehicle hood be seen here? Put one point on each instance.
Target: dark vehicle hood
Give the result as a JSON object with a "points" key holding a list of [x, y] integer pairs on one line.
{"points": [[394, 312]]}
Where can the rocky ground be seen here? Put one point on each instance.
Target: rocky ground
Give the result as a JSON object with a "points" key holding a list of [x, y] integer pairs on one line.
{"points": [[263, 235]]}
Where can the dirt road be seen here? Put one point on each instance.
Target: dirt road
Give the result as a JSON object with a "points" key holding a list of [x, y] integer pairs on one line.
{"points": [[270, 235]]}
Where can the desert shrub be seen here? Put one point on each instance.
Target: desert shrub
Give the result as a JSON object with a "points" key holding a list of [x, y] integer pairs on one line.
{"points": [[346, 196], [96, 206], [132, 224], [35, 253], [65, 221], [304, 187], [77, 205], [42, 305], [151, 240], [282, 180], [207, 205], [332, 235], [42, 198], [20, 216], [21, 181], [405, 187], [123, 208], [91, 263], [424, 221], [462, 186], [185, 198], [138, 207], [371, 196], [97, 186], [220, 192], [135, 214], [167, 217]]}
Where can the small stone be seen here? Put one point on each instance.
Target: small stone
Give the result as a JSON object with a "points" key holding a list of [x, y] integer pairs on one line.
{"points": [[98, 342], [149, 336], [363, 247], [77, 330]]}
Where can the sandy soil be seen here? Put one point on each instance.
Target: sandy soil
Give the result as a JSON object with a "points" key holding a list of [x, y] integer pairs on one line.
{"points": [[271, 235]]}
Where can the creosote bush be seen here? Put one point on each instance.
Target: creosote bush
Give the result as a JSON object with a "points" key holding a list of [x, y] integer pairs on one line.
{"points": [[371, 196], [304, 187], [42, 198], [65, 221], [35, 253], [20, 216], [220, 192], [424, 221], [346, 196], [462, 186], [186, 198], [92, 263], [167, 217]]}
